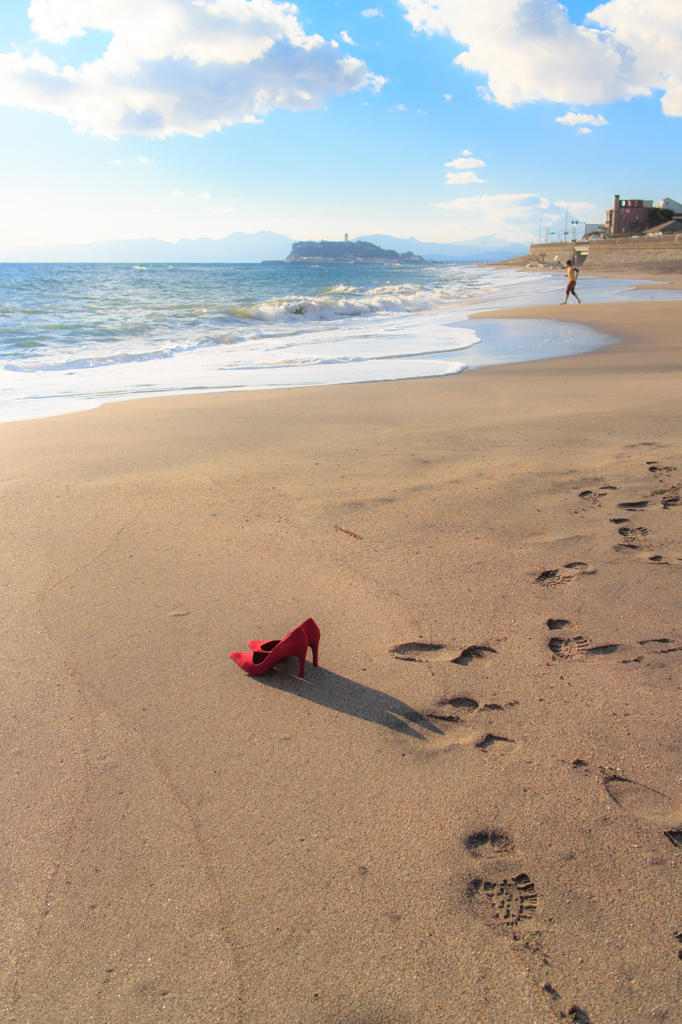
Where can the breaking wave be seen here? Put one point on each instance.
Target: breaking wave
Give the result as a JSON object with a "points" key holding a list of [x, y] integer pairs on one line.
{"points": [[72, 337]]}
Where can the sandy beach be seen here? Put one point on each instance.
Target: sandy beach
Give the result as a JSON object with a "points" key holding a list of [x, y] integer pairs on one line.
{"points": [[470, 812]]}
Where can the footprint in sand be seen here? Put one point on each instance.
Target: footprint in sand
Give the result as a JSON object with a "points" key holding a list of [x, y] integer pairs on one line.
{"points": [[460, 724], [662, 645], [669, 496], [557, 623], [634, 797], [566, 574], [578, 646], [453, 709], [634, 537], [635, 506], [675, 837], [575, 1013], [571, 647], [509, 901], [490, 739], [642, 801], [669, 493], [420, 651], [456, 715], [457, 709], [469, 654], [578, 1016], [661, 472], [592, 497], [568, 646], [488, 843]]}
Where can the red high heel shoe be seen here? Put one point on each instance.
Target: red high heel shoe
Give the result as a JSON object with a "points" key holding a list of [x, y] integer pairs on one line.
{"points": [[312, 631], [259, 662]]}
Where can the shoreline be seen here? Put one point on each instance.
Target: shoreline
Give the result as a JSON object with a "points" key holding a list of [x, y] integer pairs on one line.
{"points": [[671, 279], [461, 814], [124, 390]]}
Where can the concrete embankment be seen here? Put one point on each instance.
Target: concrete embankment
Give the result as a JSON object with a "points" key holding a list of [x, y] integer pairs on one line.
{"points": [[662, 254]]}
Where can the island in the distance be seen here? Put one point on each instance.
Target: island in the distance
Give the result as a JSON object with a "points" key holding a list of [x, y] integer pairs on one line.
{"points": [[345, 252]]}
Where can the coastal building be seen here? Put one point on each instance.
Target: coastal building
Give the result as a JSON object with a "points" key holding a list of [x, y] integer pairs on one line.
{"points": [[628, 216], [666, 228], [636, 233], [673, 207], [595, 231]]}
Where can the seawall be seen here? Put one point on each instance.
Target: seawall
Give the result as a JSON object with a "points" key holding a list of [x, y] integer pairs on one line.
{"points": [[662, 254]]}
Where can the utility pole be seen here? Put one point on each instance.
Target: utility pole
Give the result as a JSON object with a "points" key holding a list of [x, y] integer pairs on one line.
{"points": [[566, 225], [540, 231]]}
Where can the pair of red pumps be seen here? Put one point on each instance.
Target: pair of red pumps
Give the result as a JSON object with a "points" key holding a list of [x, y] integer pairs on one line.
{"points": [[265, 654]]}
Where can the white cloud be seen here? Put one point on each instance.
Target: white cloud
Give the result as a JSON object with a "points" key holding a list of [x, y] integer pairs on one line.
{"points": [[462, 178], [346, 38], [516, 215], [596, 120], [178, 67], [144, 159], [447, 95], [204, 195], [115, 161], [177, 194], [466, 152], [227, 209], [530, 50], [584, 131], [398, 106], [462, 162], [373, 12]]}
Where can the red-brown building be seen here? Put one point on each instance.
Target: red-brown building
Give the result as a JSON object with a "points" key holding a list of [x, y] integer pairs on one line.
{"points": [[628, 216]]}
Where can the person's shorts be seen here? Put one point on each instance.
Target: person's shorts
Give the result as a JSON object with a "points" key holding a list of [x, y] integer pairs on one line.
{"points": [[570, 287]]}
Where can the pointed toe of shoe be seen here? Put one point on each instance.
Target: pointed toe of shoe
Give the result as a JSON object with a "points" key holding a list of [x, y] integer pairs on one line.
{"points": [[245, 661]]}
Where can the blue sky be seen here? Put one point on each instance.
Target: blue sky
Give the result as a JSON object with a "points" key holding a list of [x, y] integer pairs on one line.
{"points": [[180, 119]]}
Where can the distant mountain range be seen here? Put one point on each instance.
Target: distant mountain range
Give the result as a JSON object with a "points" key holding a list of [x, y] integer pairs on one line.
{"points": [[239, 247], [242, 247], [486, 249]]}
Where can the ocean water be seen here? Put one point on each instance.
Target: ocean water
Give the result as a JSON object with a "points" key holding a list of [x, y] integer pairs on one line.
{"points": [[75, 336]]}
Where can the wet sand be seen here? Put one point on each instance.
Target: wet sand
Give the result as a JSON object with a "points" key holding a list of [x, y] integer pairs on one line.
{"points": [[461, 815]]}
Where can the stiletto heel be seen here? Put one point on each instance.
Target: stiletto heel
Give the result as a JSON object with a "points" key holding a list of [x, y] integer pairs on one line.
{"points": [[312, 631], [257, 663]]}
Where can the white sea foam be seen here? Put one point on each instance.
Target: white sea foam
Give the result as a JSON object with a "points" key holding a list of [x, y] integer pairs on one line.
{"points": [[109, 333]]}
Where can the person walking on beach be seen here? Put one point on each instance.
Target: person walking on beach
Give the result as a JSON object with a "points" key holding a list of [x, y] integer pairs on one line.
{"points": [[572, 276]]}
